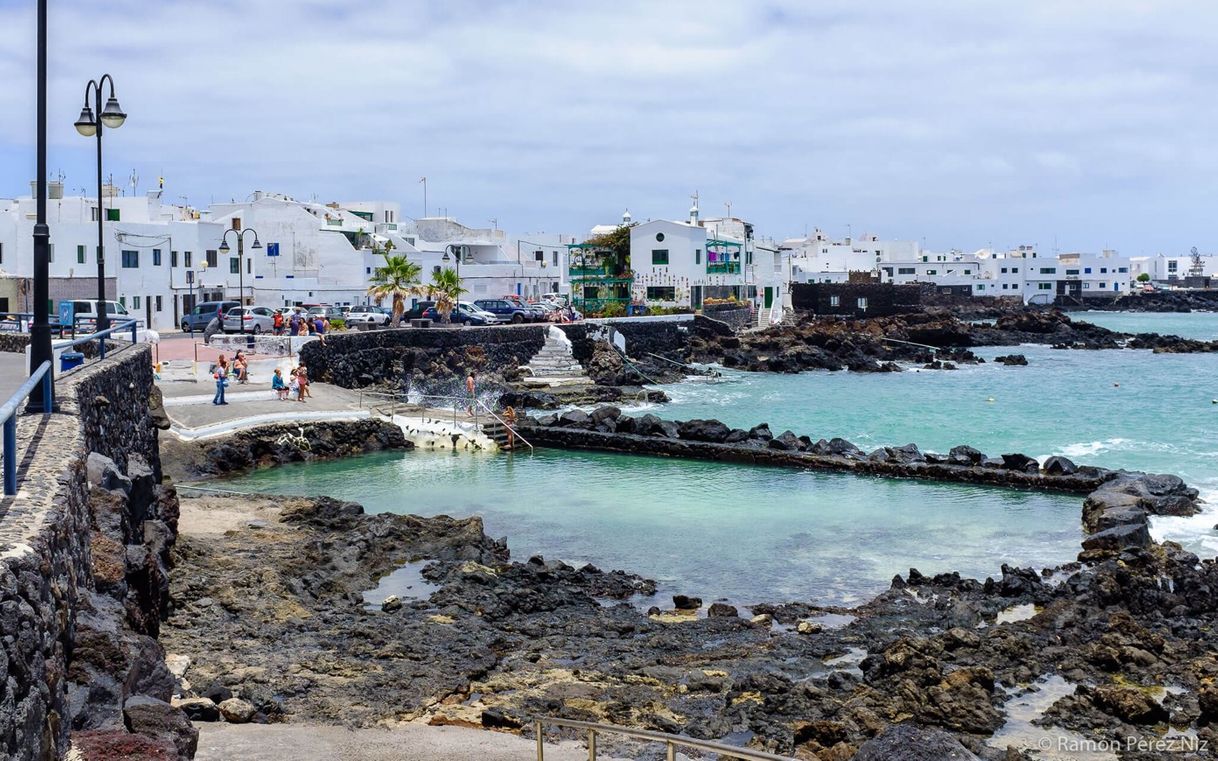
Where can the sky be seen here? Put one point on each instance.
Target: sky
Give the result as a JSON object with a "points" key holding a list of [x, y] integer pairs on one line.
{"points": [[1079, 124]]}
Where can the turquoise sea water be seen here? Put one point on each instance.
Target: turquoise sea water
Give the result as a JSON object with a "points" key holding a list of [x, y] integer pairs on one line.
{"points": [[1198, 325], [743, 533]]}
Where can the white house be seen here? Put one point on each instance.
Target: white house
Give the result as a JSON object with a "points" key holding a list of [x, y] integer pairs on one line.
{"points": [[1165, 268], [686, 263]]}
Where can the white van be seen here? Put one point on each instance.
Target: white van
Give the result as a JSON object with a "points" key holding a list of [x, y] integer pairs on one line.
{"points": [[84, 315]]}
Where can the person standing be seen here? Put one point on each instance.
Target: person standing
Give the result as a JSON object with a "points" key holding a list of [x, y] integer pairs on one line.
{"points": [[302, 377], [471, 388], [294, 323], [221, 381], [277, 324]]}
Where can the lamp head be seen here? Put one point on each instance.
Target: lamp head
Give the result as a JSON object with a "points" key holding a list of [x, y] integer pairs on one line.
{"points": [[257, 244], [112, 115], [224, 245], [85, 124]]}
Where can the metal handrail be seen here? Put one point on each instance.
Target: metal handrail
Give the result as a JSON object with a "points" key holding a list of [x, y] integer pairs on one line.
{"points": [[672, 742], [396, 396], [8, 414], [911, 343], [133, 325]]}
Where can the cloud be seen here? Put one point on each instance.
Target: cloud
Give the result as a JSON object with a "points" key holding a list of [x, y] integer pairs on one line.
{"points": [[962, 122]]}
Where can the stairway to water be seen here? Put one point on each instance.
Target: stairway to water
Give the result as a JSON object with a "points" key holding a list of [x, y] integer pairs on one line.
{"points": [[555, 359]]}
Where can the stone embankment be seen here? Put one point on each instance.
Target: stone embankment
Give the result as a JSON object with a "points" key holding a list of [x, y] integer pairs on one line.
{"points": [[276, 444], [84, 579]]}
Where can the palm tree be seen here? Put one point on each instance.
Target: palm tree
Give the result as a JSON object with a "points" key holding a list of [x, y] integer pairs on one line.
{"points": [[398, 279], [446, 290]]}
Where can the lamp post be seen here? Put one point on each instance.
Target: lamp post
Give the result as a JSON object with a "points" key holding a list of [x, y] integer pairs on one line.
{"points": [[87, 124], [224, 249], [40, 328], [456, 251]]}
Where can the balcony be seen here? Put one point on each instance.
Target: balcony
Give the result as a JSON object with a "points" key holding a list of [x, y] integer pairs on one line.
{"points": [[581, 271], [723, 268]]}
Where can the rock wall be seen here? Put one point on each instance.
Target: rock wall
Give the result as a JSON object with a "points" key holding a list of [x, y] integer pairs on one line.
{"points": [[14, 343], [736, 317], [83, 572], [669, 338]]}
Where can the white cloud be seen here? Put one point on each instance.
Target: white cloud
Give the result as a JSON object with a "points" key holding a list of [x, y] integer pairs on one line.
{"points": [[960, 121]]}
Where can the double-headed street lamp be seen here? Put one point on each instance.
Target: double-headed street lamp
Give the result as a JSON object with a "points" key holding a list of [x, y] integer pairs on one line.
{"points": [[111, 116], [224, 249], [457, 252]]}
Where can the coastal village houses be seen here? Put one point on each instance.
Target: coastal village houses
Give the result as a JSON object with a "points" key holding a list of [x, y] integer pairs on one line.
{"points": [[161, 258], [1020, 273]]}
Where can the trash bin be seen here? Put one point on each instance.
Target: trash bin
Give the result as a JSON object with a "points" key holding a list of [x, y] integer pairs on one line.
{"points": [[69, 360]]}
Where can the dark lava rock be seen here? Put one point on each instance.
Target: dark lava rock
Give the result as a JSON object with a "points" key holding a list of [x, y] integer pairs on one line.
{"points": [[843, 448], [498, 720], [1012, 359], [576, 419], [909, 742], [704, 430], [1128, 704], [1119, 538], [1020, 462], [722, 610], [601, 414], [787, 442], [736, 436], [685, 602], [156, 718], [1060, 466], [761, 432]]}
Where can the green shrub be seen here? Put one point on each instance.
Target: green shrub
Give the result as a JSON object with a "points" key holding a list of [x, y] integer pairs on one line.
{"points": [[1144, 277], [338, 324]]}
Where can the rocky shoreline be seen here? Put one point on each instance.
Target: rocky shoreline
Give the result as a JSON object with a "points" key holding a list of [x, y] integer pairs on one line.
{"points": [[274, 613]]}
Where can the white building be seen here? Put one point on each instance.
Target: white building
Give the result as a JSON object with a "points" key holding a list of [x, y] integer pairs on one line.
{"points": [[817, 259], [1164, 268]]}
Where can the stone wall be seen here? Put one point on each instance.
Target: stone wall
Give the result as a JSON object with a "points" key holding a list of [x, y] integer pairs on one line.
{"points": [[882, 298], [737, 317], [82, 570], [669, 338], [14, 343]]}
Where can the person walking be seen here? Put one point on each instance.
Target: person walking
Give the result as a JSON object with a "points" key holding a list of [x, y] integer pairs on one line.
{"points": [[277, 324], [221, 381], [302, 377], [471, 386]]}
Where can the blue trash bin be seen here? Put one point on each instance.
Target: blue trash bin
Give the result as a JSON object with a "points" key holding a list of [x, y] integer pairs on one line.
{"points": [[69, 360]]}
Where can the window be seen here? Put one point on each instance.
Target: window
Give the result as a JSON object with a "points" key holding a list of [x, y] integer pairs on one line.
{"points": [[135, 302], [158, 303], [835, 301], [234, 265], [1087, 285], [932, 272], [1004, 270], [156, 257], [186, 259], [112, 215], [659, 237], [1071, 272], [968, 272], [863, 302], [539, 255], [1122, 269], [249, 266], [211, 257], [980, 287], [697, 256], [122, 300], [1102, 285], [173, 258], [926, 259], [661, 293], [2, 256], [51, 252], [131, 260], [1171, 265], [236, 223], [1044, 286], [555, 261], [590, 292], [659, 256], [1103, 270], [1048, 270], [906, 271], [1015, 269]]}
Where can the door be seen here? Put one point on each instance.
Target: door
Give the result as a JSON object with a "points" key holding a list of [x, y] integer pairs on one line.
{"points": [[769, 296], [148, 312], [695, 297]]}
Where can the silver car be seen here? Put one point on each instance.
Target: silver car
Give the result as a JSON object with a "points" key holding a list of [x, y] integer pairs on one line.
{"points": [[256, 320]]}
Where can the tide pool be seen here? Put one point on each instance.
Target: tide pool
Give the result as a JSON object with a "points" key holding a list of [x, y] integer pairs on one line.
{"points": [[742, 533], [1202, 326]]}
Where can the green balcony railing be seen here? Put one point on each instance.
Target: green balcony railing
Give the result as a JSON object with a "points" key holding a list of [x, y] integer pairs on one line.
{"points": [[723, 268], [588, 271]]}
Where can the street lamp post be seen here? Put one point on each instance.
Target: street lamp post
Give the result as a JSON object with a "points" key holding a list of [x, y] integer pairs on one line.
{"points": [[224, 249], [87, 124], [40, 328], [456, 251]]}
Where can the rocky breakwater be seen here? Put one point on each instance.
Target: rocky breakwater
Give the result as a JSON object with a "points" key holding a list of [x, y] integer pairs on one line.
{"points": [[277, 444], [1116, 512]]}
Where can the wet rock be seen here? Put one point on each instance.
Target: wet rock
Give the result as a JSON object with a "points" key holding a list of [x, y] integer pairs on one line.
{"points": [[1012, 360], [684, 602], [601, 414], [1060, 466], [808, 627], [1119, 538], [704, 430], [1020, 462], [909, 742], [1134, 706], [761, 432], [575, 419], [722, 610], [965, 455], [391, 603], [786, 442], [1207, 699]]}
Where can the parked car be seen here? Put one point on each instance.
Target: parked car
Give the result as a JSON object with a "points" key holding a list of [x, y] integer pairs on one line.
{"points": [[84, 313], [506, 311], [329, 312], [368, 316], [460, 316], [473, 308], [255, 319], [416, 312], [203, 313], [538, 314]]}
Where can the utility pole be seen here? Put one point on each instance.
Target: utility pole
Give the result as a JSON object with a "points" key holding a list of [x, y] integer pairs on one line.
{"points": [[424, 181]]}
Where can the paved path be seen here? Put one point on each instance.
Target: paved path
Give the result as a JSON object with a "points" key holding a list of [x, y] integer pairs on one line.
{"points": [[193, 415], [12, 374], [409, 742]]}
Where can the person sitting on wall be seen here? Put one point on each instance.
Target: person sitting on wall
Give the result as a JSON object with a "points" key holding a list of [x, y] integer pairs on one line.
{"points": [[241, 367]]}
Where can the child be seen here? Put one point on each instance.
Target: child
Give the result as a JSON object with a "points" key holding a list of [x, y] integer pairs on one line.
{"points": [[302, 377], [278, 386]]}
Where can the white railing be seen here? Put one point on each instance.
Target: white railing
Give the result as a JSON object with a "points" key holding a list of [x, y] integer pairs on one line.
{"points": [[475, 409]]}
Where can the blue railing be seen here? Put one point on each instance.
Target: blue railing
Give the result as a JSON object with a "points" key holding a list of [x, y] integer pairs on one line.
{"points": [[132, 325], [8, 414]]}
